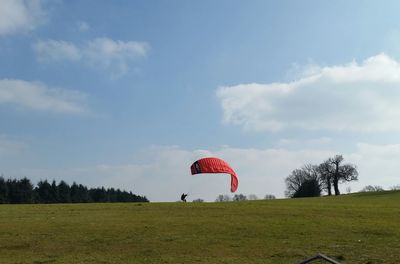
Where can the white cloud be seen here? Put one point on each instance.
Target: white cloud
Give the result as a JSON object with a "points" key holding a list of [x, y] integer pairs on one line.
{"points": [[105, 53], [352, 97], [110, 53], [20, 15], [313, 142], [52, 50], [377, 164], [39, 97]]}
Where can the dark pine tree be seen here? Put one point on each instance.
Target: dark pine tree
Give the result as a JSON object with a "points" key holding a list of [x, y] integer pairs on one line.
{"points": [[63, 191], [25, 190], [44, 193], [54, 192], [3, 191]]}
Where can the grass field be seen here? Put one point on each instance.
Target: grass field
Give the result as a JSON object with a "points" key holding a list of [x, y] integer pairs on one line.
{"points": [[358, 228]]}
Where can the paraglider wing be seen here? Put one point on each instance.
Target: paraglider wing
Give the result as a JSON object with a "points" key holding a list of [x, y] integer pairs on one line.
{"points": [[215, 165]]}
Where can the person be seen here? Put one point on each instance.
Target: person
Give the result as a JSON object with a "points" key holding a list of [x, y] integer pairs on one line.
{"points": [[183, 197]]}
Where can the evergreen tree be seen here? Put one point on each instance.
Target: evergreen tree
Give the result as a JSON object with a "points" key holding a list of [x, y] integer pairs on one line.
{"points": [[53, 192], [309, 188], [63, 191], [25, 189], [13, 192], [98, 195], [84, 196], [22, 191], [43, 191], [74, 193], [3, 191], [112, 195]]}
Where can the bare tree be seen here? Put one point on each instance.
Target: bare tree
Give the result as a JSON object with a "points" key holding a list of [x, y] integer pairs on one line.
{"points": [[269, 197], [333, 171], [239, 197], [223, 198], [342, 172], [301, 179], [294, 182], [395, 187], [325, 171], [310, 178], [370, 188]]}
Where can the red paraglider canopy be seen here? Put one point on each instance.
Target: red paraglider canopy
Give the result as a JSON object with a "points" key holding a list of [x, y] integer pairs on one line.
{"points": [[215, 165]]}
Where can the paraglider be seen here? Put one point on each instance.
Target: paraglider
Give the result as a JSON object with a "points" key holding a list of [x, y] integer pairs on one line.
{"points": [[215, 165]]}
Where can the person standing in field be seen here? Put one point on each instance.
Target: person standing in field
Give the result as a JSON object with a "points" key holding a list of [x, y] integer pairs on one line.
{"points": [[183, 197]]}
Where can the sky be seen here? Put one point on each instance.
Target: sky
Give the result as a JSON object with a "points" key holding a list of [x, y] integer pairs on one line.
{"points": [[128, 94]]}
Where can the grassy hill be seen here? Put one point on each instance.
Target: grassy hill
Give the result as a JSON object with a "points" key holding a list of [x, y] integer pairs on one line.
{"points": [[357, 228]]}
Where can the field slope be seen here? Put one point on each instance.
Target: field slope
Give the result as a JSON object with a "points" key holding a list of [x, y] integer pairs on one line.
{"points": [[358, 228]]}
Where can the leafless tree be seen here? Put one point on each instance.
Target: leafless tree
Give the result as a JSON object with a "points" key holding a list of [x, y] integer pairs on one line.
{"points": [[296, 180], [325, 171], [239, 197], [333, 171], [269, 197], [223, 198], [370, 188], [326, 175]]}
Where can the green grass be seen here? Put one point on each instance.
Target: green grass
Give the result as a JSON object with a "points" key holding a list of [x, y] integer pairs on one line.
{"points": [[359, 228]]}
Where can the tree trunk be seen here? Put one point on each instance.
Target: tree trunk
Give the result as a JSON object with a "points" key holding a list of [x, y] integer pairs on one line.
{"points": [[336, 185], [328, 183], [336, 177]]}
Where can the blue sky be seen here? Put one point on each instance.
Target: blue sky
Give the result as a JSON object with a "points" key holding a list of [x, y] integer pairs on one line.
{"points": [[128, 94]]}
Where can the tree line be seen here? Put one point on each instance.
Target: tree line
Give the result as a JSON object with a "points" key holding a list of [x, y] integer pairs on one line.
{"points": [[241, 197], [312, 180], [18, 191]]}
